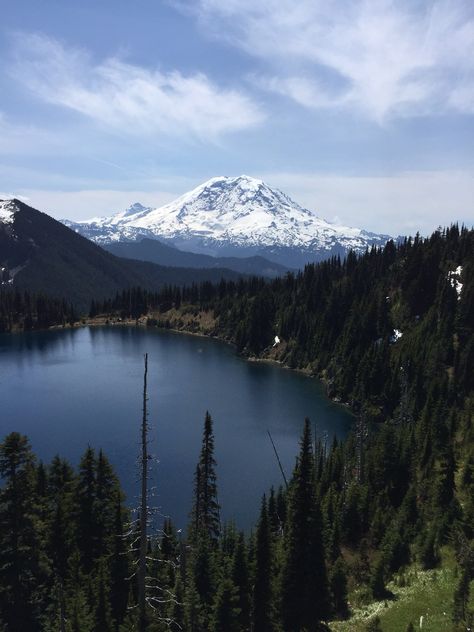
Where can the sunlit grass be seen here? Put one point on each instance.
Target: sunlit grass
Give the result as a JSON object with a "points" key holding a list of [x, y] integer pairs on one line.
{"points": [[416, 593]]}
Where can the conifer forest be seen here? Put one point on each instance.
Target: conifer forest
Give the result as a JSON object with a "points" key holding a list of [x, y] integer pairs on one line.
{"points": [[390, 333]]}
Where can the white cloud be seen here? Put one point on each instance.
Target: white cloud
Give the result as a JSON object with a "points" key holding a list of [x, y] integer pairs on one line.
{"points": [[130, 99], [384, 57]]}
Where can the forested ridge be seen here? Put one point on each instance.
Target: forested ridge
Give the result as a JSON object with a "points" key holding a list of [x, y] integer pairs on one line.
{"points": [[26, 311], [391, 333]]}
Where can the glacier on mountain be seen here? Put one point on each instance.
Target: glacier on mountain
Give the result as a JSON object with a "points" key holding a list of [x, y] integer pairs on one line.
{"points": [[232, 214]]}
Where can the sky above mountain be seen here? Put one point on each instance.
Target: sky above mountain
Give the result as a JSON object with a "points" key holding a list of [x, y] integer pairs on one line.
{"points": [[361, 111]]}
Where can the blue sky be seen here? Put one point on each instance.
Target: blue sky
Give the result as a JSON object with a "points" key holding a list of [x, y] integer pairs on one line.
{"points": [[360, 110]]}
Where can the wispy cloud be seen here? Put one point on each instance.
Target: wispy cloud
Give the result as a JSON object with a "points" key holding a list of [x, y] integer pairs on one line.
{"points": [[386, 58], [130, 99]]}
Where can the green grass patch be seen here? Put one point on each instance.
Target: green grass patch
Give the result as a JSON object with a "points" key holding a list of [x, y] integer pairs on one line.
{"points": [[416, 593]]}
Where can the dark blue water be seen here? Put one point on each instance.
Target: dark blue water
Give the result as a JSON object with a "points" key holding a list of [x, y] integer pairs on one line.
{"points": [[67, 389]]}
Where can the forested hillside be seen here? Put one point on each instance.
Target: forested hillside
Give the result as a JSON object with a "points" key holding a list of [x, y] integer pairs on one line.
{"points": [[392, 333], [40, 255]]}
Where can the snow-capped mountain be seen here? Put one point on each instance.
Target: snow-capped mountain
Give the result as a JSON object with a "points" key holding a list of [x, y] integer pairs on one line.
{"points": [[233, 216]]}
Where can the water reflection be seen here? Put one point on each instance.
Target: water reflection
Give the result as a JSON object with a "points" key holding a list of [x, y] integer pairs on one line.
{"points": [[67, 389]]}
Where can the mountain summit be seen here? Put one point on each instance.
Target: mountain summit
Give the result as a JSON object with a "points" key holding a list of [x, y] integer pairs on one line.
{"points": [[234, 216]]}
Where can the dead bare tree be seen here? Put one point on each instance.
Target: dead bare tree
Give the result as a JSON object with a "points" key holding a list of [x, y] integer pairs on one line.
{"points": [[143, 524], [151, 596]]}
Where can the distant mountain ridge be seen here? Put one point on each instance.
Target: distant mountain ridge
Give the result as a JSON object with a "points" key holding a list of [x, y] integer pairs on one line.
{"points": [[233, 216], [40, 254], [166, 255]]}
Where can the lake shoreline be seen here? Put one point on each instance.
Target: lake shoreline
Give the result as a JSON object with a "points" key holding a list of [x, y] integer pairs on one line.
{"points": [[144, 322]]}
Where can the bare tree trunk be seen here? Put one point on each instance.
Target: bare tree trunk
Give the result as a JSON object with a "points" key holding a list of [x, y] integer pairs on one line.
{"points": [[143, 510], [62, 608]]}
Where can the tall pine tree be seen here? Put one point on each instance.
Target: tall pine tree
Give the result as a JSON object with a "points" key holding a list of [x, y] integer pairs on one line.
{"points": [[305, 599]]}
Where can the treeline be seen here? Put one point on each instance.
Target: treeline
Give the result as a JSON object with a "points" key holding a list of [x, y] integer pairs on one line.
{"points": [[398, 490], [26, 311], [69, 550], [382, 329], [391, 332], [69, 547]]}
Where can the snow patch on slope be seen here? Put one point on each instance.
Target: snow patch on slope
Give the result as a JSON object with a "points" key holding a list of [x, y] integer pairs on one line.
{"points": [[454, 277], [8, 208]]}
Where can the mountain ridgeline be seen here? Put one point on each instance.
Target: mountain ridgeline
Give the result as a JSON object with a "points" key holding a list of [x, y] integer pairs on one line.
{"points": [[163, 254], [41, 255]]}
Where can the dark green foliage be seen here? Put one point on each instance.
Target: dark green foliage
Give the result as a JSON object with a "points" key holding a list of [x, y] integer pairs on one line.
{"points": [[102, 614], [461, 596], [63, 552], [23, 565], [338, 588], [305, 599], [86, 508], [428, 554], [205, 519], [374, 625], [397, 490], [119, 566], [263, 610], [22, 310], [377, 581], [241, 580], [226, 611], [57, 261]]}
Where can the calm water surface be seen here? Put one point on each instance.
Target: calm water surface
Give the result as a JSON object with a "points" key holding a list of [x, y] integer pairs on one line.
{"points": [[67, 389]]}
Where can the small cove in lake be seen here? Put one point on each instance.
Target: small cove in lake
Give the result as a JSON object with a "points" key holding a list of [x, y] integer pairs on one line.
{"points": [[69, 388]]}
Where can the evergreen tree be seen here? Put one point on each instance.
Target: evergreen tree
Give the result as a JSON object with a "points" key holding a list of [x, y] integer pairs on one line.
{"points": [[240, 578], [105, 514], [80, 618], [226, 611], [263, 609], [338, 588], [205, 518], [119, 567], [86, 509], [102, 615], [21, 560], [305, 600]]}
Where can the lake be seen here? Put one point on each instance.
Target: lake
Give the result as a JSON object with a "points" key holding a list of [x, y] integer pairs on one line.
{"points": [[70, 388]]}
